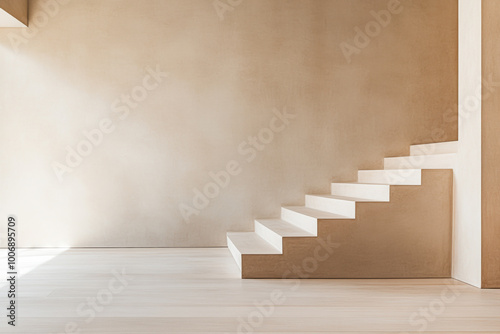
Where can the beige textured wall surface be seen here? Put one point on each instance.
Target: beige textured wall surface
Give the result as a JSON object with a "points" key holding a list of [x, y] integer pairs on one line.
{"points": [[16, 8], [467, 215], [83, 69], [490, 149]]}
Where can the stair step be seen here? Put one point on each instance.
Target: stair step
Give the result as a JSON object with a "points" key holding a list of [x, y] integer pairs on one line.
{"points": [[274, 230], [240, 243], [307, 218], [342, 205], [333, 204], [434, 148], [432, 161], [391, 176], [347, 198], [367, 191]]}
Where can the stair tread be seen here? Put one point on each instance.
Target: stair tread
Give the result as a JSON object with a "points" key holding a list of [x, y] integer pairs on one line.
{"points": [[434, 148], [315, 213], [422, 155], [401, 176], [372, 191], [361, 183], [429, 161], [344, 198], [284, 228], [251, 243], [391, 170]]}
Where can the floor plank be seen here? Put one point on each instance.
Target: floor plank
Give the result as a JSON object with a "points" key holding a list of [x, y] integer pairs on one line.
{"points": [[199, 291]]}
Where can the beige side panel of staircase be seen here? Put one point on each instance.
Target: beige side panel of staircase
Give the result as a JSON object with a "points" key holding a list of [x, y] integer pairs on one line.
{"points": [[490, 149], [410, 236], [17, 8]]}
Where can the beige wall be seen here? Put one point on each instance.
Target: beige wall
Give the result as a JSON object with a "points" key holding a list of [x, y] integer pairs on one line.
{"points": [[490, 149], [67, 74], [16, 8]]}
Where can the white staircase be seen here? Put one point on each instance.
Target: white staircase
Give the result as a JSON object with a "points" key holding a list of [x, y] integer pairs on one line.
{"points": [[419, 183]]}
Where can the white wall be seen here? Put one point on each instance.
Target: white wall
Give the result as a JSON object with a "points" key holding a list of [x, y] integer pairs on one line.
{"points": [[467, 226]]}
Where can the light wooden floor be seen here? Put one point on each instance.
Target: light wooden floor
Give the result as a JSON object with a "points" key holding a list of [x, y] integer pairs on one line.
{"points": [[199, 291]]}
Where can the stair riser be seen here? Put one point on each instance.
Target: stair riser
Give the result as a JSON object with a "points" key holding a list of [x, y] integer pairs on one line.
{"points": [[423, 161], [269, 235], [392, 177], [307, 223], [341, 207], [374, 192]]}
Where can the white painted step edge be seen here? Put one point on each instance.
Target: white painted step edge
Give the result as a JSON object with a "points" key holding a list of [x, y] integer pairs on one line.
{"points": [[248, 243], [434, 148], [331, 204], [391, 176], [433, 161], [234, 251], [307, 218], [375, 192], [307, 223], [274, 230]]}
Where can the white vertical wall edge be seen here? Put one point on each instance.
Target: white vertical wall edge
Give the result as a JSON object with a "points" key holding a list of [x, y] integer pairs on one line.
{"points": [[467, 182]]}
